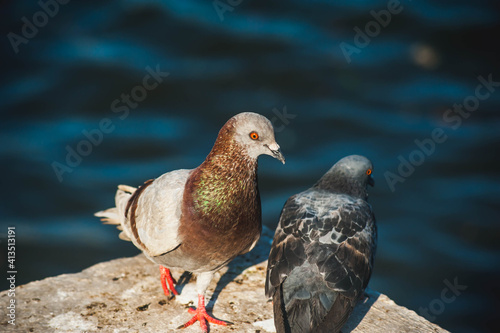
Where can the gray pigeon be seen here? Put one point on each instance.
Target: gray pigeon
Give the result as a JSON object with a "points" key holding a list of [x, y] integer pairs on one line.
{"points": [[199, 220], [322, 255]]}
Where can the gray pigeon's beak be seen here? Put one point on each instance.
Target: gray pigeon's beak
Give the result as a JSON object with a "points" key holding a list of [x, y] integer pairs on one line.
{"points": [[276, 152], [371, 181]]}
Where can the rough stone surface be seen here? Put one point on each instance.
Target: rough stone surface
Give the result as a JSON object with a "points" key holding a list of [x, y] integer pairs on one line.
{"points": [[125, 295]]}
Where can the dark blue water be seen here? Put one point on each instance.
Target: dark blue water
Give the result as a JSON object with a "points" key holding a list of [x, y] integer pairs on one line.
{"points": [[439, 220]]}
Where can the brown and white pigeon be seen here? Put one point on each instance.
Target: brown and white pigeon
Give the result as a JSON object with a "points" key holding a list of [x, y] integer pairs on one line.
{"points": [[322, 254], [199, 220]]}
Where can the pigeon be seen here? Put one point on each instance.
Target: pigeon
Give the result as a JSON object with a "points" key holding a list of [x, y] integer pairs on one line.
{"points": [[200, 219], [322, 254]]}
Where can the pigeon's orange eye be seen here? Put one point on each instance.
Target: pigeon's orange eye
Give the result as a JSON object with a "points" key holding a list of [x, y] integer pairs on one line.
{"points": [[369, 172], [254, 136]]}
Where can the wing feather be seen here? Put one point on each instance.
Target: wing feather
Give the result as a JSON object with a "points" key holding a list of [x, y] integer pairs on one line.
{"points": [[158, 213]]}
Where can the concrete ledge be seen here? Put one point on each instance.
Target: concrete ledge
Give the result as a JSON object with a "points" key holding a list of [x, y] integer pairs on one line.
{"points": [[125, 295]]}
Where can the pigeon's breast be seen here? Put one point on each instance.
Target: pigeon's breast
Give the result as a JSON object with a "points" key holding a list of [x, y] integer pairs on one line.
{"points": [[210, 240]]}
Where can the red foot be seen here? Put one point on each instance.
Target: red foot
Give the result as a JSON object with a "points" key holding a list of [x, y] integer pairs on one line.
{"points": [[200, 314], [165, 278]]}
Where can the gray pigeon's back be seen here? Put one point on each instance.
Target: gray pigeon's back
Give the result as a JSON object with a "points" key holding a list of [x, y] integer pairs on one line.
{"points": [[321, 260]]}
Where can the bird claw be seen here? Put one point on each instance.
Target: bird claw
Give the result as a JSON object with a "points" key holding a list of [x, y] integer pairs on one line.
{"points": [[200, 314], [166, 277]]}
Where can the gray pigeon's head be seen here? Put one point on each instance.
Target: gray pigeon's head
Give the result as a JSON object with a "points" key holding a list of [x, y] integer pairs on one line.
{"points": [[350, 175], [255, 134]]}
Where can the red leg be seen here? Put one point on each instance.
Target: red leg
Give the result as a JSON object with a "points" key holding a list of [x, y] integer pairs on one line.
{"points": [[200, 314], [165, 278]]}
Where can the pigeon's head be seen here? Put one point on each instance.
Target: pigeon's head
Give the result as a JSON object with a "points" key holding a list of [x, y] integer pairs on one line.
{"points": [[255, 134], [350, 175], [355, 167]]}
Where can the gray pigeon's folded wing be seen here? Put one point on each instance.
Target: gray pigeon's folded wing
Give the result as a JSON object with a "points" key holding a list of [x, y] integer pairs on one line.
{"points": [[347, 269], [287, 250]]}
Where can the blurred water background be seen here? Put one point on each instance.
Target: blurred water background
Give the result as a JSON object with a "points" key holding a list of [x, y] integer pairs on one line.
{"points": [[438, 224]]}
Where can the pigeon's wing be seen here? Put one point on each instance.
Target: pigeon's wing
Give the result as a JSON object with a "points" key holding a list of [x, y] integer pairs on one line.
{"points": [[287, 249], [153, 212], [350, 235], [346, 267], [320, 260]]}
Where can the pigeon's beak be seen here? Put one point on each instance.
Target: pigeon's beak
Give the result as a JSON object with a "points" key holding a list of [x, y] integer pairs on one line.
{"points": [[371, 181], [276, 152]]}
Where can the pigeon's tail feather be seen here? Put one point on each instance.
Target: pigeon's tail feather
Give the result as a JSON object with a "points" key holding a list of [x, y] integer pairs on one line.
{"points": [[296, 316], [310, 314], [108, 216], [116, 215], [337, 316], [280, 317], [291, 319]]}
